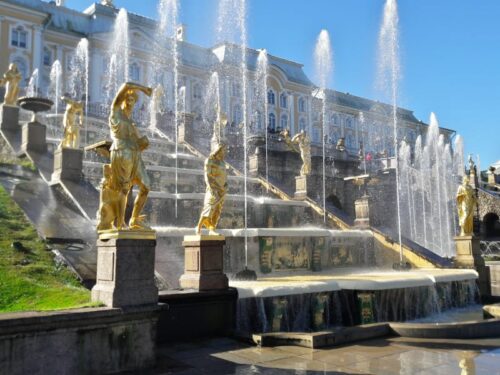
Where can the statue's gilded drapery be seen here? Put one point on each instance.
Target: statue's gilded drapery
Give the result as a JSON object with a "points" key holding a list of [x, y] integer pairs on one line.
{"points": [[127, 168], [300, 143], [74, 111], [466, 204], [11, 80], [216, 180]]}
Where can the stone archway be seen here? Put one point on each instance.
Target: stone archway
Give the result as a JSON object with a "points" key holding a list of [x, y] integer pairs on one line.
{"points": [[491, 225]]}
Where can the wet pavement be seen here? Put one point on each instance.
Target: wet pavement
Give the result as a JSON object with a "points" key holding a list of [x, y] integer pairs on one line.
{"points": [[381, 356]]}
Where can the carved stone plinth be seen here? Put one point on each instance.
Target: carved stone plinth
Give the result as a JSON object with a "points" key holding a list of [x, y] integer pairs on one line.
{"points": [[362, 209], [185, 132], [469, 256], [34, 137], [68, 164], [302, 187], [9, 117], [203, 263], [126, 269]]}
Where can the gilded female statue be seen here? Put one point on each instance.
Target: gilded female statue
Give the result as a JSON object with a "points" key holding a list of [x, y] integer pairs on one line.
{"points": [[11, 80], [71, 137], [127, 167], [216, 180], [300, 143], [466, 204]]}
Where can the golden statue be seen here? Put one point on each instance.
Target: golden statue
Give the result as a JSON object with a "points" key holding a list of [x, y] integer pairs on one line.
{"points": [[216, 180], [466, 204], [126, 168], [11, 80], [71, 137], [300, 143]]}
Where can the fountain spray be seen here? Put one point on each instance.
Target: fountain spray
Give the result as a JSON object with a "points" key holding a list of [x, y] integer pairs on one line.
{"points": [[323, 61], [388, 75]]}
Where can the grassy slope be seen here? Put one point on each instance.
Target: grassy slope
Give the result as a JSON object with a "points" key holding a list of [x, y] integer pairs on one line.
{"points": [[29, 279]]}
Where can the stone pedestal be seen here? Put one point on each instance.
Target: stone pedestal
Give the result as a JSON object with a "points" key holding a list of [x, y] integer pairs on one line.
{"points": [[203, 263], [362, 209], [185, 132], [34, 137], [68, 164], [469, 256], [9, 117], [126, 269], [303, 186]]}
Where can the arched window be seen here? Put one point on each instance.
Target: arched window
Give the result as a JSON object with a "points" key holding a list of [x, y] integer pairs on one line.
{"points": [[315, 134], [258, 120], [134, 72], [349, 141], [271, 99], [283, 122], [197, 91], [236, 90], [272, 123], [302, 105], [335, 119], [302, 124], [349, 123], [19, 37], [283, 100], [237, 114], [47, 57]]}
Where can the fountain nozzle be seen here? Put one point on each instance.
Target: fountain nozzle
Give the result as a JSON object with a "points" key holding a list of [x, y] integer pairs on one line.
{"points": [[246, 275]]}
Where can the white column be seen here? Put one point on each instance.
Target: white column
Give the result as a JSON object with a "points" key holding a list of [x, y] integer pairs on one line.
{"points": [[37, 48], [292, 114]]}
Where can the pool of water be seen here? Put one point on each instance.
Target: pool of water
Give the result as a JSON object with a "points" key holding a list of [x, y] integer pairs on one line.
{"points": [[464, 314]]}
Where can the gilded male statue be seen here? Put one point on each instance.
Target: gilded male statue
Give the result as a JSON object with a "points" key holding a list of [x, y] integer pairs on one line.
{"points": [[216, 181], [466, 204], [74, 111], [300, 143], [127, 167], [11, 80]]}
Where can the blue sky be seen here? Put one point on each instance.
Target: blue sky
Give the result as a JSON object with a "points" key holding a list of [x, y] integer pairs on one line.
{"points": [[450, 52]]}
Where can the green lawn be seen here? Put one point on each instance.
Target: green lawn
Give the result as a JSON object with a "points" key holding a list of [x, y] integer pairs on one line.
{"points": [[29, 278]]}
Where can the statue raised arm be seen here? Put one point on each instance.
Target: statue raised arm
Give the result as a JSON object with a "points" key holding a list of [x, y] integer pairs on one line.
{"points": [[74, 110], [127, 167]]}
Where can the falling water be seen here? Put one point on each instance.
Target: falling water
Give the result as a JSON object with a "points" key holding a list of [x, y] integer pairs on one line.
{"points": [[212, 107], [79, 76], [362, 122], [119, 54], [261, 81], [388, 77], [231, 27], [32, 90], [54, 91], [429, 182], [323, 62], [166, 39]]}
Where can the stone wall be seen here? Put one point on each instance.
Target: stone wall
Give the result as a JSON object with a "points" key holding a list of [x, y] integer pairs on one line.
{"points": [[81, 341], [488, 202]]}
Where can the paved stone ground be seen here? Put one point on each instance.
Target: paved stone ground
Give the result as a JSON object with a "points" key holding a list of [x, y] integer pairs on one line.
{"points": [[381, 356]]}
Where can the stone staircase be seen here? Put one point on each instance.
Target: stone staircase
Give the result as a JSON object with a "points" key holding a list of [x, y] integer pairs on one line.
{"points": [[284, 235]]}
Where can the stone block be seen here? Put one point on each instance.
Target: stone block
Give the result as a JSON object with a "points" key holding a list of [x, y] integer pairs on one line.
{"points": [[469, 256], [9, 117], [362, 210], [34, 137], [125, 271], [203, 263], [68, 164]]}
